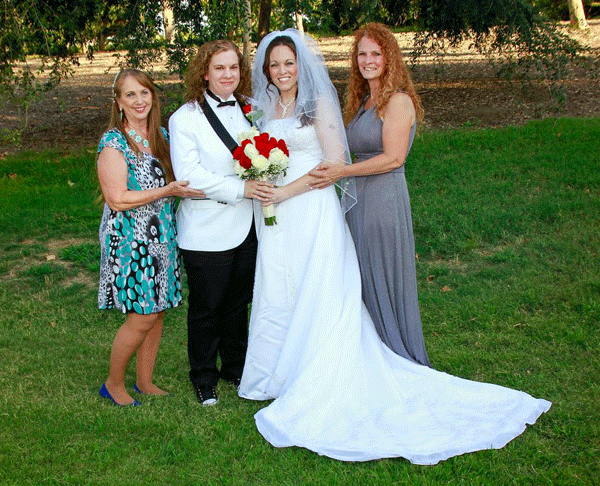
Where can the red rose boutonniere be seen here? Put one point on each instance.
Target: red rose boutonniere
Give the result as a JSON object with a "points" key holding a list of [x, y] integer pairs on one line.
{"points": [[252, 114]]}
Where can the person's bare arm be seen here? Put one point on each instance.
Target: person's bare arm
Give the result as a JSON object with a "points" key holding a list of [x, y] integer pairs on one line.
{"points": [[112, 173], [397, 123]]}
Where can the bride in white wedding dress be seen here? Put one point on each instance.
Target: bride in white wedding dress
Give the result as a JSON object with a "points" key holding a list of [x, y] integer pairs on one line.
{"points": [[337, 389]]}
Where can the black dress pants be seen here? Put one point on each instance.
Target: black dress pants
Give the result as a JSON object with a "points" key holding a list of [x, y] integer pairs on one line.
{"points": [[220, 289]]}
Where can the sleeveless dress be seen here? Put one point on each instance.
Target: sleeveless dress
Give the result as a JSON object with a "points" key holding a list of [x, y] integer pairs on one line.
{"points": [[139, 262], [381, 226], [337, 389]]}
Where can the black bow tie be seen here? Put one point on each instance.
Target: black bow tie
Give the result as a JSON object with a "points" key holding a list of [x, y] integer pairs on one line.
{"points": [[216, 98]]}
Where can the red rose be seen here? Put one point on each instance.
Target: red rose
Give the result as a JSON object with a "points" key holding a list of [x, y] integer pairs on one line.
{"points": [[239, 155], [247, 108], [283, 147], [238, 152], [261, 142], [263, 137]]}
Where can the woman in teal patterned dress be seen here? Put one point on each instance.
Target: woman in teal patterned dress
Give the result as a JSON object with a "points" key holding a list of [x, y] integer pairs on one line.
{"points": [[140, 272]]}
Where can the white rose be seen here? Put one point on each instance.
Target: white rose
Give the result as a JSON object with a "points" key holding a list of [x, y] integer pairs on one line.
{"points": [[250, 151], [278, 158], [238, 169], [248, 135], [260, 162], [243, 136]]}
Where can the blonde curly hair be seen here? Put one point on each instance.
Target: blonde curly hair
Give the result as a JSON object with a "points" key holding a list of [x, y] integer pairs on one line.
{"points": [[198, 69], [395, 75]]}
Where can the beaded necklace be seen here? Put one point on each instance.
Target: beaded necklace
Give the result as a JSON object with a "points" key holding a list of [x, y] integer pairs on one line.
{"points": [[285, 107], [138, 138]]}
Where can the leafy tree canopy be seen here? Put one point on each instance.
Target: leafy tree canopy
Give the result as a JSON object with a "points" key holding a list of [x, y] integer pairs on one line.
{"points": [[58, 31], [513, 29]]}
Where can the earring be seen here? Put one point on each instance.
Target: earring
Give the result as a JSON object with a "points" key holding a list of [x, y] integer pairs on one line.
{"points": [[121, 113]]}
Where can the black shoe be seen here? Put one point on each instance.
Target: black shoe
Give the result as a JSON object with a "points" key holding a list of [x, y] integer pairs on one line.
{"points": [[206, 394]]}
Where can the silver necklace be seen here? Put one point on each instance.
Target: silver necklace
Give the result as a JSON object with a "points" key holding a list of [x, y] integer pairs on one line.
{"points": [[138, 138], [285, 107]]}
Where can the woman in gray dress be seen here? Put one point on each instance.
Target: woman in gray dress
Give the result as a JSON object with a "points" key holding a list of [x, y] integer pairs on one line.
{"points": [[382, 110]]}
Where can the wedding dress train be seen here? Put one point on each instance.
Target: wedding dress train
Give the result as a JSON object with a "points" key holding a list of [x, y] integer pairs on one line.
{"points": [[337, 389]]}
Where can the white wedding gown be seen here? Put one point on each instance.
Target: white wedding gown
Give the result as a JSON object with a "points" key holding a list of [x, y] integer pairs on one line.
{"points": [[313, 348]]}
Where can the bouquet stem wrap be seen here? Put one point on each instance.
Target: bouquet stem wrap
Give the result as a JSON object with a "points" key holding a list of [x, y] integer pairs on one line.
{"points": [[269, 210]]}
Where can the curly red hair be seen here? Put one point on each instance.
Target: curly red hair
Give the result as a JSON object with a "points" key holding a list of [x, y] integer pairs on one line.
{"points": [[395, 75], [198, 68]]}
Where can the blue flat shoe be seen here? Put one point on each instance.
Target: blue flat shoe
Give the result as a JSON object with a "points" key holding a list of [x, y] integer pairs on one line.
{"points": [[104, 393], [137, 390]]}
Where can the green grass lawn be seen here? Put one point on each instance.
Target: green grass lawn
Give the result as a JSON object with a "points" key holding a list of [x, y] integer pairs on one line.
{"points": [[507, 227]]}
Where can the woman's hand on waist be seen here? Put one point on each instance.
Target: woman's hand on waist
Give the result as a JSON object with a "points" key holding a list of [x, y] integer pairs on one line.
{"points": [[326, 174], [182, 189]]}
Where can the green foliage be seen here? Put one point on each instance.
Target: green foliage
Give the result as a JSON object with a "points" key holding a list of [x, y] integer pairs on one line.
{"points": [[48, 30], [195, 28], [400, 12], [341, 15], [506, 225], [510, 32], [10, 137], [558, 9], [57, 32], [52, 31]]}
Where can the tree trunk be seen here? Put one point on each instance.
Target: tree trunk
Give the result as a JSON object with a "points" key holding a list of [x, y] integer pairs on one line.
{"points": [[299, 22], [247, 28], [264, 18], [102, 41], [168, 21], [577, 14]]}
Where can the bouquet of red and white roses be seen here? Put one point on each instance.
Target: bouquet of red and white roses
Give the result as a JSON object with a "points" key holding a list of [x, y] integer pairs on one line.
{"points": [[262, 157]]}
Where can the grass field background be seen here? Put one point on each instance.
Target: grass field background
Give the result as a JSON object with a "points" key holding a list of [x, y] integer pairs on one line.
{"points": [[507, 228]]}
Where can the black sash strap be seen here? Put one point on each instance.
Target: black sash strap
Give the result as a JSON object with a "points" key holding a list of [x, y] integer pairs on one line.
{"points": [[218, 127]]}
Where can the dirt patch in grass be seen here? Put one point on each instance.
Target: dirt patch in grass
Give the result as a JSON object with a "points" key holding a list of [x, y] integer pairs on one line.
{"points": [[33, 254], [462, 92]]}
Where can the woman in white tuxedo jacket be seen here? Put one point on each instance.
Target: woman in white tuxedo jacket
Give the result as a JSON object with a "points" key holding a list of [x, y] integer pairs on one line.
{"points": [[216, 235]]}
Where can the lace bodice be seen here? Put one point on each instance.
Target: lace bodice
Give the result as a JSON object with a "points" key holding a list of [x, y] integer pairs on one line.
{"points": [[303, 144]]}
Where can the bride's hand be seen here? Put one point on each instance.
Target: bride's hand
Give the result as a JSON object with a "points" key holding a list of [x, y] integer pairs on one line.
{"points": [[278, 194], [326, 174], [261, 191]]}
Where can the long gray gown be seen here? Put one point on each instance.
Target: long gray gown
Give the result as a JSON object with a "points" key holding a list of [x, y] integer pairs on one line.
{"points": [[381, 227]]}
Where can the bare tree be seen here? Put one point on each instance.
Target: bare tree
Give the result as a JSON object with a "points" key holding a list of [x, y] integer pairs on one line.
{"points": [[168, 20], [577, 14], [299, 21]]}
